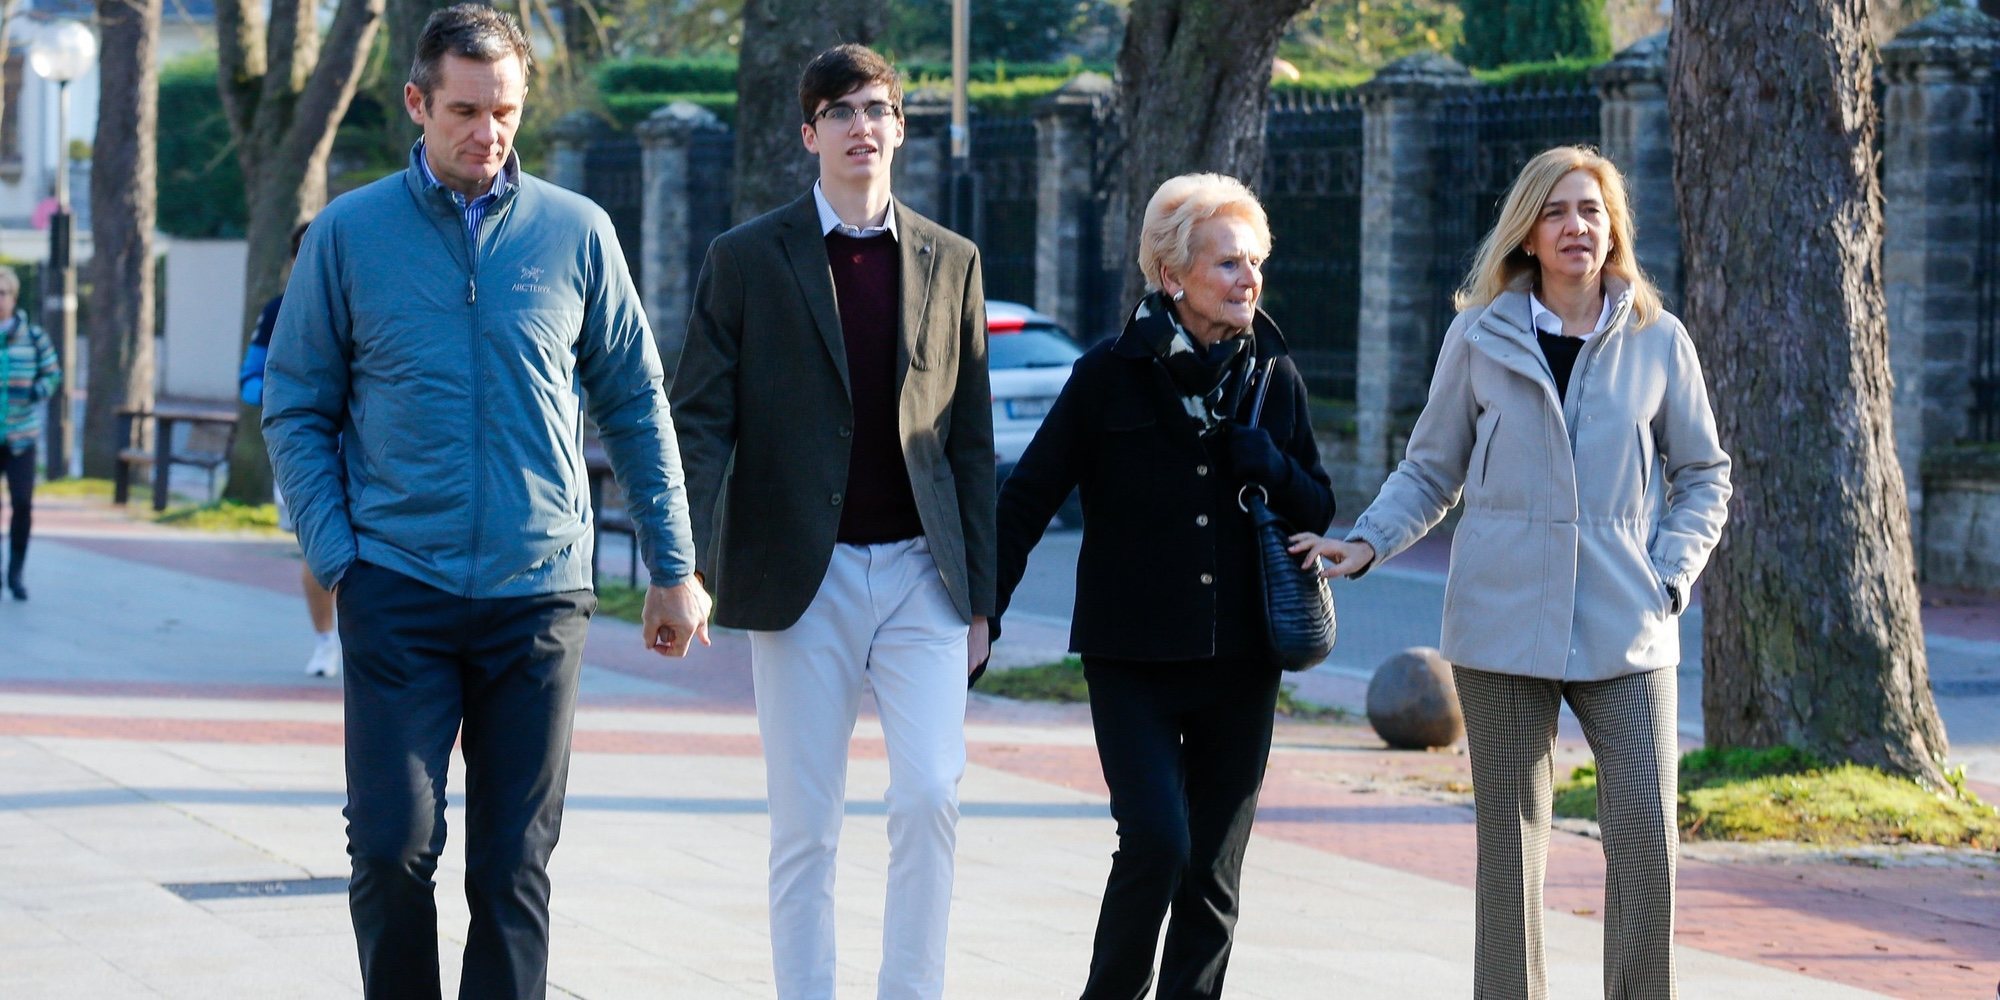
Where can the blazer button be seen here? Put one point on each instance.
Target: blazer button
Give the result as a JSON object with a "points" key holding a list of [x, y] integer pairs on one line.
{"points": [[1201, 520], [1207, 579], [847, 432], [1201, 470], [834, 500]]}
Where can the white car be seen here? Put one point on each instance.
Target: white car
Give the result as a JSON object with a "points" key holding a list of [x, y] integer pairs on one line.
{"points": [[1028, 359]]}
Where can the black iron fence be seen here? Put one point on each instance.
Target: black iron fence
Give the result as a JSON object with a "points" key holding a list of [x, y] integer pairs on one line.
{"points": [[614, 177], [1984, 419], [711, 189], [1312, 192], [1005, 161], [1487, 134]]}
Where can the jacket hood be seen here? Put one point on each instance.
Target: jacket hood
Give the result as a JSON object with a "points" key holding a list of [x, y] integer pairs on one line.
{"points": [[1511, 315]]}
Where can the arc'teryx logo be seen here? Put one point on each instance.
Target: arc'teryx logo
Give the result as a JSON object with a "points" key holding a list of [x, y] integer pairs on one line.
{"points": [[531, 277]]}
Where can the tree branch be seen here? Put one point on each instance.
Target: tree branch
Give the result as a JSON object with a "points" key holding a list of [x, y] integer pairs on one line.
{"points": [[328, 90], [240, 60]]}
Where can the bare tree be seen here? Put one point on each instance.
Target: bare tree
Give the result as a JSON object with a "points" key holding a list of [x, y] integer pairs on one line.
{"points": [[1194, 81], [284, 90], [123, 202], [779, 36], [1812, 636]]}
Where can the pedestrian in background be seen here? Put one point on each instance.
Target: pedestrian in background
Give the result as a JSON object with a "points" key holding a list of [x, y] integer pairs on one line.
{"points": [[1153, 428], [838, 430], [29, 375], [1568, 408], [325, 659], [442, 332]]}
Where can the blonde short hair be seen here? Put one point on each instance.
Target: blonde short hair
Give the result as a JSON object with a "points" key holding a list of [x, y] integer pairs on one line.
{"points": [[1166, 237], [1503, 265], [10, 280]]}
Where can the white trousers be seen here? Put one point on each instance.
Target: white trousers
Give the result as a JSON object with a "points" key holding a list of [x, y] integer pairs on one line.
{"points": [[882, 617]]}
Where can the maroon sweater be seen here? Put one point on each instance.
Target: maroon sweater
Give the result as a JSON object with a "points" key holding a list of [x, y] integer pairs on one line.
{"points": [[867, 280]]}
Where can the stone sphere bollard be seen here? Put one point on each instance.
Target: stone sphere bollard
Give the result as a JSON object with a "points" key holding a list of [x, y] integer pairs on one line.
{"points": [[1412, 702]]}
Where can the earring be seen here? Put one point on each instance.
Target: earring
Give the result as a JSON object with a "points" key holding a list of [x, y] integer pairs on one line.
{"points": [[1529, 252], [1179, 295]]}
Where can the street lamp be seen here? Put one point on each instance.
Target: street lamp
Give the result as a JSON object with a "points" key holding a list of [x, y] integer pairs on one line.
{"points": [[61, 52]]}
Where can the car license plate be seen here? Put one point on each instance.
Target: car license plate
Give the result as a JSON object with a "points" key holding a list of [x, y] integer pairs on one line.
{"points": [[1028, 409]]}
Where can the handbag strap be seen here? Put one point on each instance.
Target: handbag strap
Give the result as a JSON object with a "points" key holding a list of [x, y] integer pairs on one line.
{"points": [[1263, 389]]}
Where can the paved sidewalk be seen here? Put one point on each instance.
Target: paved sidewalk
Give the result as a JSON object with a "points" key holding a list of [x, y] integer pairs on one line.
{"points": [[170, 793]]}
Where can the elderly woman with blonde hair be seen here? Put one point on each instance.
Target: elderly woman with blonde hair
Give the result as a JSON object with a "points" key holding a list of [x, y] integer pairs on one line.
{"points": [[1569, 411], [1155, 429]]}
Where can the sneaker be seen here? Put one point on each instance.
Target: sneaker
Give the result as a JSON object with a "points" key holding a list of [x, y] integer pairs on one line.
{"points": [[325, 660]]}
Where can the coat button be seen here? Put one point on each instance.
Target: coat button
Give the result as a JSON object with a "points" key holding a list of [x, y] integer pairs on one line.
{"points": [[847, 432], [834, 500], [1201, 520], [1201, 470], [1207, 579]]}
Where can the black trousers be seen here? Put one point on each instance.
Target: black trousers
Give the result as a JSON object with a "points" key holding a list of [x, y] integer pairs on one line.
{"points": [[419, 663], [20, 469], [1183, 747]]}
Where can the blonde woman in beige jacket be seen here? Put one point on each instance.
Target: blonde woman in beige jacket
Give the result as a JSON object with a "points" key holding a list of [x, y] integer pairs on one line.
{"points": [[1569, 411]]}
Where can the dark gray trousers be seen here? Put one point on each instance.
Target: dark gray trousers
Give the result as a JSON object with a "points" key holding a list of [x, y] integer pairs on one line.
{"points": [[1510, 732], [419, 664]]}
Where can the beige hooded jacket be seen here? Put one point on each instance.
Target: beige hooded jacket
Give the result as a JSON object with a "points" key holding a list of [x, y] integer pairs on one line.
{"points": [[1579, 515]]}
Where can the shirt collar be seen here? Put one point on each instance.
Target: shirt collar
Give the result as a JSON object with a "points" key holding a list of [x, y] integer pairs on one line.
{"points": [[510, 174], [1546, 321], [829, 220]]}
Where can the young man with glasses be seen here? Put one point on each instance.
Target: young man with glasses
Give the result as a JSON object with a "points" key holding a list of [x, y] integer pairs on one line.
{"points": [[837, 354]]}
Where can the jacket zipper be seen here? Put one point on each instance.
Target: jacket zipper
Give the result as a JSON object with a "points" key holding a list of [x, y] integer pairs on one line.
{"points": [[478, 399]]}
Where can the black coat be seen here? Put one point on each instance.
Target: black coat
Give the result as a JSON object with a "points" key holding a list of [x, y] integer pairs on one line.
{"points": [[1167, 570]]}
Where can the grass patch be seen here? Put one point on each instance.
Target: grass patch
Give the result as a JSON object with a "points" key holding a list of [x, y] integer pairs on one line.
{"points": [[1785, 794], [224, 515], [1063, 682], [91, 489], [619, 601]]}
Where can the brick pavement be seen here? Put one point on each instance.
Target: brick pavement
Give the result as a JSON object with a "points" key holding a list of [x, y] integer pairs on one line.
{"points": [[1903, 930]]}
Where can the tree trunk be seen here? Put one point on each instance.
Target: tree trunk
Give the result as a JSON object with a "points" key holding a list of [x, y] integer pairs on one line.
{"points": [[402, 23], [123, 203], [284, 92], [1194, 81], [779, 38], [1812, 636]]}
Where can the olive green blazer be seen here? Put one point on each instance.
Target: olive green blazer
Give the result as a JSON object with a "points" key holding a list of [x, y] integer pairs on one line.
{"points": [[762, 408]]}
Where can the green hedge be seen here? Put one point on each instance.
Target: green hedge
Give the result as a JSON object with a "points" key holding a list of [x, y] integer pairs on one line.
{"points": [[1552, 73], [715, 75], [200, 183]]}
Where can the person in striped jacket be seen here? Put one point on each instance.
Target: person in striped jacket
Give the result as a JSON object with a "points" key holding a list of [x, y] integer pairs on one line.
{"points": [[29, 374]]}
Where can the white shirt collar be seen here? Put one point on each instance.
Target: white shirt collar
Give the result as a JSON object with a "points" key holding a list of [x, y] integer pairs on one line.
{"points": [[1545, 321], [829, 220]]}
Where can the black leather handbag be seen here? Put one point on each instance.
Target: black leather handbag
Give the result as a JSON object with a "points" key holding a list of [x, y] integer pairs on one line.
{"points": [[1298, 607]]}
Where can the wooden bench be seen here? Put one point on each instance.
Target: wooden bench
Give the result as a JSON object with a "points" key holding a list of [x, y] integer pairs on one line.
{"points": [[609, 513], [211, 433]]}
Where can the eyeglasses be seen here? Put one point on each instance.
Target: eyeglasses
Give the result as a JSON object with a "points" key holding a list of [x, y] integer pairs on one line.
{"points": [[841, 114]]}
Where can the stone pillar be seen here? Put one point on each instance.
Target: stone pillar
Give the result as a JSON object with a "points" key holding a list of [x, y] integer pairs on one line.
{"points": [[1066, 140], [1635, 134], [568, 139], [1399, 212], [1937, 160], [668, 291], [919, 171]]}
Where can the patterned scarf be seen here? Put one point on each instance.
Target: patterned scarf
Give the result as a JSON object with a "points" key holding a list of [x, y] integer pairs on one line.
{"points": [[1204, 376]]}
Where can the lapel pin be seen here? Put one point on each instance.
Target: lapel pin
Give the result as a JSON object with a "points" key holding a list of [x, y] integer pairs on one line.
{"points": [[926, 248]]}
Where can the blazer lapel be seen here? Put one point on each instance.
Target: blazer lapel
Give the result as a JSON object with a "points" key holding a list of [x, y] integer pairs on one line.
{"points": [[805, 245], [919, 249]]}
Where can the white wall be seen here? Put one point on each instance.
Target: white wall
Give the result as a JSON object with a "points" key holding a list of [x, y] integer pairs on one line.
{"points": [[203, 344]]}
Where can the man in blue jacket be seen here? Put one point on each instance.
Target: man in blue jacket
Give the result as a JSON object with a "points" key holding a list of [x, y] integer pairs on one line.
{"points": [[436, 325]]}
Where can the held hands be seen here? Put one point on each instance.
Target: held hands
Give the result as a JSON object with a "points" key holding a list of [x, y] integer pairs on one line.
{"points": [[978, 646], [1341, 558], [675, 617], [1254, 457]]}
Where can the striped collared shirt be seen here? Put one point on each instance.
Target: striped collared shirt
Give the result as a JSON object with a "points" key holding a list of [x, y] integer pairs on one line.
{"points": [[473, 209]]}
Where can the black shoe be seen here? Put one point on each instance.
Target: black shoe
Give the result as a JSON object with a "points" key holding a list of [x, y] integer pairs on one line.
{"points": [[20, 592]]}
